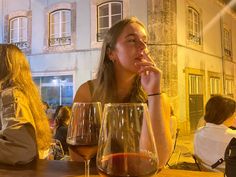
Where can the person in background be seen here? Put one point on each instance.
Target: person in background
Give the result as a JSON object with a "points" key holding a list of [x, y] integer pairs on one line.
{"points": [[53, 117], [45, 106], [25, 133], [211, 140], [61, 127], [127, 73], [173, 125]]}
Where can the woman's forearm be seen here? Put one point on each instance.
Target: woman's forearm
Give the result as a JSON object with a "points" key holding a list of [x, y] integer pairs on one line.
{"points": [[159, 110]]}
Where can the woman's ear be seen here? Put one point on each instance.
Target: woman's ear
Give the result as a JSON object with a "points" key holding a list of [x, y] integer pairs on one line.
{"points": [[111, 54]]}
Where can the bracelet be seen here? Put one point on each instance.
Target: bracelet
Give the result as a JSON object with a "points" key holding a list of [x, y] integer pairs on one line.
{"points": [[153, 94]]}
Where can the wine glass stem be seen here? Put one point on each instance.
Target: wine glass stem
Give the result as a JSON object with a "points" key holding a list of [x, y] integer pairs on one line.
{"points": [[86, 163]]}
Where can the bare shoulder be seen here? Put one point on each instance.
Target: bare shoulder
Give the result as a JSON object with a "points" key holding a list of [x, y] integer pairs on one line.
{"points": [[83, 93]]}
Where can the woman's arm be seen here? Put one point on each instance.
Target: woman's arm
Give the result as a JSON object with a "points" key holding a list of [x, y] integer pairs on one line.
{"points": [[158, 105], [17, 144], [160, 118], [17, 137]]}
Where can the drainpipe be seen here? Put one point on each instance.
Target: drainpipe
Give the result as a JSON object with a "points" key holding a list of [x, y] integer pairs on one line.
{"points": [[222, 51]]}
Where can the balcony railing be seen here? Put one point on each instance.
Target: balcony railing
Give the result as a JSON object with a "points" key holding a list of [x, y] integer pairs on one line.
{"points": [[60, 41], [22, 44], [228, 52], [194, 38]]}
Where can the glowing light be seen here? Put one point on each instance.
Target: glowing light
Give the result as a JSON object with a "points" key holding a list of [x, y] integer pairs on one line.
{"points": [[215, 19]]}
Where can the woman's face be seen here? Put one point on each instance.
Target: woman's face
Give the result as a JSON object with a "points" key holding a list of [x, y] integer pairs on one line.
{"points": [[130, 47]]}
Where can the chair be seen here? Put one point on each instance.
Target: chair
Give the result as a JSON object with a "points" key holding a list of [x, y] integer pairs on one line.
{"points": [[202, 166], [56, 151], [174, 145]]}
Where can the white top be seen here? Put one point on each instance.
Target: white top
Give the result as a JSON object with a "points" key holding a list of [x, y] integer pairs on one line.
{"points": [[211, 141]]}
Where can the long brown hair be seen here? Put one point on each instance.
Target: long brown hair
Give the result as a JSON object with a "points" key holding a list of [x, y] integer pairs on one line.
{"points": [[105, 88], [15, 72], [63, 116]]}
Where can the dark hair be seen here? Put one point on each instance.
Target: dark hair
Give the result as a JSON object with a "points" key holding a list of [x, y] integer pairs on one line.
{"points": [[63, 116], [57, 111], [105, 83], [218, 109], [46, 104]]}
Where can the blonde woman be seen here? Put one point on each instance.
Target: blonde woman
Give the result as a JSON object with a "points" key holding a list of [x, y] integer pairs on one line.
{"points": [[25, 133]]}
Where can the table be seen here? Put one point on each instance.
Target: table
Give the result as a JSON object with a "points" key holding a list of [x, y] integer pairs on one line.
{"points": [[46, 168], [186, 173]]}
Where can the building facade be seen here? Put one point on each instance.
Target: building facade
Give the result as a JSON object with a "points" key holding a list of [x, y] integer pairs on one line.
{"points": [[192, 41]]}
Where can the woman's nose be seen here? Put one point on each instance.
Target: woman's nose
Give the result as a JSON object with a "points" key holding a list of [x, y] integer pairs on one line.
{"points": [[142, 45]]}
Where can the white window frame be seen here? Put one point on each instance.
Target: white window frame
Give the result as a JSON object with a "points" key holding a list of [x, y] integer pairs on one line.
{"points": [[94, 19], [19, 29], [214, 85], [110, 15], [195, 84], [229, 87], [194, 26], [73, 39], [227, 43], [63, 38]]}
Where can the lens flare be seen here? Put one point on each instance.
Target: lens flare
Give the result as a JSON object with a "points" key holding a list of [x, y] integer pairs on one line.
{"points": [[217, 17]]}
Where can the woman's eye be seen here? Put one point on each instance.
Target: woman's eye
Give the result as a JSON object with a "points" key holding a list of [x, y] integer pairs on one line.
{"points": [[131, 40]]}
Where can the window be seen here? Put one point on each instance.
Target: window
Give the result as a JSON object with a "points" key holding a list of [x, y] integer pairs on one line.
{"points": [[56, 90], [229, 87], [195, 102], [214, 86], [18, 29], [108, 14], [194, 26], [227, 43], [60, 28], [195, 84], [18, 32]]}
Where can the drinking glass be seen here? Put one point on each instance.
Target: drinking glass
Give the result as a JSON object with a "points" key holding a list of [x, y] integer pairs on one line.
{"points": [[126, 144], [83, 130]]}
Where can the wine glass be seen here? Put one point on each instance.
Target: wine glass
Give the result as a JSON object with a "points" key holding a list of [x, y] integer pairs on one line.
{"points": [[126, 144], [83, 130]]}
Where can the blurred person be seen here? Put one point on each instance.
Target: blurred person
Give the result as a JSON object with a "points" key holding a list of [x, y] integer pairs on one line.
{"points": [[211, 140], [127, 73], [25, 133], [61, 127], [173, 124], [45, 106], [53, 117]]}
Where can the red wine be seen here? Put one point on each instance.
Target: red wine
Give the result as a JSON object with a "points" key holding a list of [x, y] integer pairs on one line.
{"points": [[127, 164], [86, 151]]}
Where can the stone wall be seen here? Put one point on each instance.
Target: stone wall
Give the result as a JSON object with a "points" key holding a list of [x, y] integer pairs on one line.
{"points": [[162, 41]]}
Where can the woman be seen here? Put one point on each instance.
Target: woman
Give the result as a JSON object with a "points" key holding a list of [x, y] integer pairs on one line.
{"points": [[210, 141], [61, 127], [25, 132], [127, 73]]}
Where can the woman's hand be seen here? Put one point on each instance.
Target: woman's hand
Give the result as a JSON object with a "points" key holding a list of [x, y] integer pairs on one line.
{"points": [[150, 74]]}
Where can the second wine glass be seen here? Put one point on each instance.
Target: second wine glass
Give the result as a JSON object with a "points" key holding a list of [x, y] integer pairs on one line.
{"points": [[83, 130], [126, 144]]}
